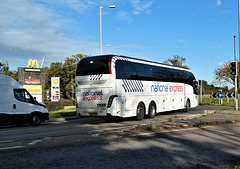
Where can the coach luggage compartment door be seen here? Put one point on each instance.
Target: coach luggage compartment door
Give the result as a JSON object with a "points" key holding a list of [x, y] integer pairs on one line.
{"points": [[93, 101]]}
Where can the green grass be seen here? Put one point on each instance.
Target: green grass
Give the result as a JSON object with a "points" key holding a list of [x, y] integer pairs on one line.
{"points": [[215, 101], [69, 112]]}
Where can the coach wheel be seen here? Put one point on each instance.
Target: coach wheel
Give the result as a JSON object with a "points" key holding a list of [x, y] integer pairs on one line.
{"points": [[140, 111], [187, 107], [152, 110]]}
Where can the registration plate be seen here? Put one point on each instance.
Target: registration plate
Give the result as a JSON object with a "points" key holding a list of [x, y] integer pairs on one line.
{"points": [[92, 114]]}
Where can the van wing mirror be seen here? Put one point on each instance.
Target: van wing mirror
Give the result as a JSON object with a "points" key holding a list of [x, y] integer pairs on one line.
{"points": [[35, 100]]}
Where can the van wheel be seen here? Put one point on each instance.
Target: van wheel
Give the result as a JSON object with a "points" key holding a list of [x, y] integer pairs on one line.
{"points": [[35, 119], [140, 111], [152, 110]]}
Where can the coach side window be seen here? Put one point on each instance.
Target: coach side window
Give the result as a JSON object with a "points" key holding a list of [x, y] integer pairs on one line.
{"points": [[130, 71], [119, 69], [125, 70]]}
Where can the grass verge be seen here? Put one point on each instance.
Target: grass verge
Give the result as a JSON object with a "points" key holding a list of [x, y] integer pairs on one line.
{"points": [[68, 112], [160, 127]]}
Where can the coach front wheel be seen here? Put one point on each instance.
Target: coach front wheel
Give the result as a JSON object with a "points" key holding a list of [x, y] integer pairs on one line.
{"points": [[187, 106]]}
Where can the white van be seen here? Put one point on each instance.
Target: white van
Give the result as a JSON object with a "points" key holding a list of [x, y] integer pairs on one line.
{"points": [[17, 105]]}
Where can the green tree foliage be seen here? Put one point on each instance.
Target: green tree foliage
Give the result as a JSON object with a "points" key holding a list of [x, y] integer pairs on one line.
{"points": [[4, 69], [1, 67], [207, 89], [66, 72], [223, 74], [177, 61]]}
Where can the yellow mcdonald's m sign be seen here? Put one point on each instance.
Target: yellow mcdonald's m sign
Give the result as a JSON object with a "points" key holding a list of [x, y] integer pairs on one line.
{"points": [[32, 63]]}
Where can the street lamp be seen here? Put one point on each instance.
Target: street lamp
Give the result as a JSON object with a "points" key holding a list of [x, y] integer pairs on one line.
{"points": [[111, 6]]}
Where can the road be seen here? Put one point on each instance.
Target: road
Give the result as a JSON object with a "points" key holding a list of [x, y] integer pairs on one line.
{"points": [[82, 125], [91, 143]]}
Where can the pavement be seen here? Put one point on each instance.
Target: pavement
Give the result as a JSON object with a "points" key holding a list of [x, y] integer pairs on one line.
{"points": [[218, 116]]}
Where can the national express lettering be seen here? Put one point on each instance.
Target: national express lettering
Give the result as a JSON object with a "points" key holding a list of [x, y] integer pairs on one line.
{"points": [[92, 95], [166, 88]]}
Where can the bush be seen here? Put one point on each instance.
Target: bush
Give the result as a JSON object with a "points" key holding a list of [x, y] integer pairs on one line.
{"points": [[68, 102], [55, 106]]}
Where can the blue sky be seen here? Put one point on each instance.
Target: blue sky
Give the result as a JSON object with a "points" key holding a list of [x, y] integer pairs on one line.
{"points": [[200, 30]]}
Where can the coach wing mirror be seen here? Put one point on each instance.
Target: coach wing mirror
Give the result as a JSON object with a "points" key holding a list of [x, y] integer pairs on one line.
{"points": [[195, 83], [195, 86]]}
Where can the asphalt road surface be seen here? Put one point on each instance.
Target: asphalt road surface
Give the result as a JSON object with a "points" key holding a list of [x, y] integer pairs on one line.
{"points": [[82, 125], [91, 143]]}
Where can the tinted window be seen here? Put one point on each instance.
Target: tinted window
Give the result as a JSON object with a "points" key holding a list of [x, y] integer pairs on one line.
{"points": [[138, 71], [91, 66]]}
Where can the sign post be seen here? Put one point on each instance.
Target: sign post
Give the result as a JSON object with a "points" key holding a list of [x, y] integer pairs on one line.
{"points": [[33, 79], [221, 96], [55, 89]]}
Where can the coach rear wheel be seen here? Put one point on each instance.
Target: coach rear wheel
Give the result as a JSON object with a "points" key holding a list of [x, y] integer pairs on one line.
{"points": [[140, 111], [152, 110]]}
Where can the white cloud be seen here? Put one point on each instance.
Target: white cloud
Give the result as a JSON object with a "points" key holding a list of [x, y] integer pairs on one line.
{"points": [[123, 15], [81, 6], [219, 3], [181, 40], [32, 31], [227, 11], [141, 7]]}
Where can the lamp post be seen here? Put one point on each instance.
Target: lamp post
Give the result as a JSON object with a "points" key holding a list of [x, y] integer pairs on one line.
{"points": [[239, 26], [111, 6]]}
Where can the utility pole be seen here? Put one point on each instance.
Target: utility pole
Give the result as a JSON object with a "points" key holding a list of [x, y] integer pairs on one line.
{"points": [[238, 33], [236, 75]]}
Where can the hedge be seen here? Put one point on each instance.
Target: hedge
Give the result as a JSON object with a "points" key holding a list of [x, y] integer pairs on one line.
{"points": [[55, 106]]}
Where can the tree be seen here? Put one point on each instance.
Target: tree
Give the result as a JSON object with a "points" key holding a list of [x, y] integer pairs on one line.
{"points": [[223, 74], [66, 72], [4, 69], [55, 70], [69, 67], [1, 67], [177, 61]]}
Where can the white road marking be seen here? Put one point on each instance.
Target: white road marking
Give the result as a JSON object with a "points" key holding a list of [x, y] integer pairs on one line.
{"points": [[35, 142], [95, 135], [6, 141], [14, 147]]}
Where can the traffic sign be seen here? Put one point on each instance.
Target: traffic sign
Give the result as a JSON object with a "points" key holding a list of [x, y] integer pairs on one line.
{"points": [[229, 94], [221, 95], [214, 95]]}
